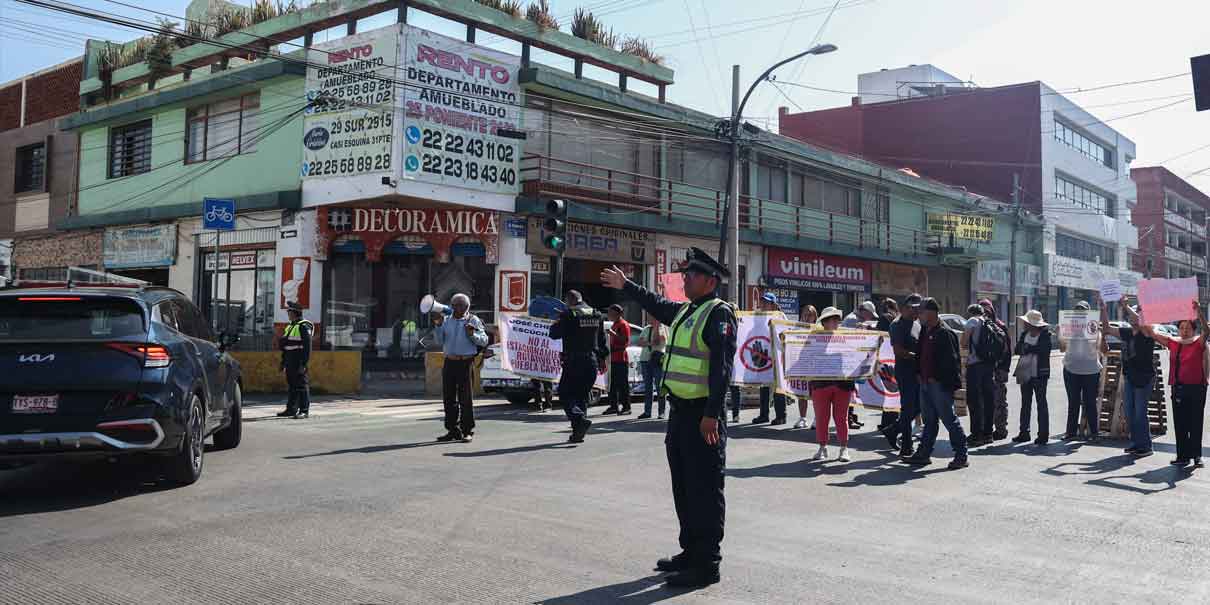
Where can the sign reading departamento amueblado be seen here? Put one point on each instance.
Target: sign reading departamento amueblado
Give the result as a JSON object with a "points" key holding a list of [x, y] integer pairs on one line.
{"points": [[351, 131], [417, 106]]}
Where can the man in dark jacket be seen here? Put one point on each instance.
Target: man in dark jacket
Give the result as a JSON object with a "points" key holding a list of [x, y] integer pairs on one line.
{"points": [[940, 375], [999, 374]]}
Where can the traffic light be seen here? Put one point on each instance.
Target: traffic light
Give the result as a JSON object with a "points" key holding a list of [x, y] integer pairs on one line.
{"points": [[1200, 68], [554, 228]]}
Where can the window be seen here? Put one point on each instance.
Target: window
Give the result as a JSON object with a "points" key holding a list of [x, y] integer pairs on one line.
{"points": [[223, 129], [1072, 247], [1085, 197], [1091, 149], [165, 313], [130, 149], [31, 168]]}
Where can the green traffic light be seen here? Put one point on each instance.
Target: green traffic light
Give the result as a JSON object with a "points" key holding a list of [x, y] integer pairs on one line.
{"points": [[554, 242]]}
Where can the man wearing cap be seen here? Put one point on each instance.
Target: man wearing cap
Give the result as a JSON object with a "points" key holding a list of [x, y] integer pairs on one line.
{"points": [[868, 311], [697, 372], [619, 363], [905, 334], [295, 353], [581, 328], [1082, 378], [940, 368]]}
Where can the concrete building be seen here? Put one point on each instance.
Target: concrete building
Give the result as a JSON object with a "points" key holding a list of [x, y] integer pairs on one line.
{"points": [[1171, 219], [1073, 170]]}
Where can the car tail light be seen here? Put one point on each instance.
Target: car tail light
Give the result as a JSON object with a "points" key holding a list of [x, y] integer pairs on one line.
{"points": [[152, 356], [48, 298]]}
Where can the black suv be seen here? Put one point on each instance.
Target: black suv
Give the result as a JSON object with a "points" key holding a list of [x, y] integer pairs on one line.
{"points": [[102, 371]]}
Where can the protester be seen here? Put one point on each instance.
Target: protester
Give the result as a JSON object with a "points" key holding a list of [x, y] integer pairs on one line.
{"points": [[768, 304], [653, 339], [979, 387], [999, 374], [460, 338], [940, 366], [1187, 365], [1138, 372], [1082, 379], [867, 311], [1033, 373], [905, 332], [807, 315], [831, 399], [619, 363], [890, 312]]}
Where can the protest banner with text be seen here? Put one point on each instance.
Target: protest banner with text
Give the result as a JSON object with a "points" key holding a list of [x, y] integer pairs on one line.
{"points": [[1167, 300]]}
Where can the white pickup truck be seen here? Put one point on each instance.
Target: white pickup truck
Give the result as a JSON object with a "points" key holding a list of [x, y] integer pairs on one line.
{"points": [[520, 390]]}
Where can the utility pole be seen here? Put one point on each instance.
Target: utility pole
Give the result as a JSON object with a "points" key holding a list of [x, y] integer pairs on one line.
{"points": [[733, 294], [1012, 254]]}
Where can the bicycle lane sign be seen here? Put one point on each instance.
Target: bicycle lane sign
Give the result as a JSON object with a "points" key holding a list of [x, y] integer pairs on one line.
{"points": [[218, 214]]}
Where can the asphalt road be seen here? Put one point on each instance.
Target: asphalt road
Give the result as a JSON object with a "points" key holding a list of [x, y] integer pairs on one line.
{"points": [[358, 505]]}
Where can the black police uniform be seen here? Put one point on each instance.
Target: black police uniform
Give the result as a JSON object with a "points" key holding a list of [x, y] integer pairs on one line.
{"points": [[582, 330], [697, 468], [294, 359]]}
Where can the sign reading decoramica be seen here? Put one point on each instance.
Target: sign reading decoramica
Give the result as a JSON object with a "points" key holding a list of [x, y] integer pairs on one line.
{"points": [[377, 226], [138, 247], [596, 242], [962, 226]]}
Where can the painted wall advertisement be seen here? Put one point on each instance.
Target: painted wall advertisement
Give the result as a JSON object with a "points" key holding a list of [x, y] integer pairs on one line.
{"points": [[350, 131], [458, 96], [296, 281], [136, 247], [811, 271], [597, 242]]}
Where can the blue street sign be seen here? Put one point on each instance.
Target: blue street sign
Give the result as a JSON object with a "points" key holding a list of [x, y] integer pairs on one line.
{"points": [[218, 214]]}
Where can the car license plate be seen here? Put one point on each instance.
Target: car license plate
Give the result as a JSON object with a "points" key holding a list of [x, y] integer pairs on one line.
{"points": [[35, 404]]}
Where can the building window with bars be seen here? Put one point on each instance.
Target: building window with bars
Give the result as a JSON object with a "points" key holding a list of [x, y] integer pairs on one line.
{"points": [[130, 149], [223, 129], [31, 168]]}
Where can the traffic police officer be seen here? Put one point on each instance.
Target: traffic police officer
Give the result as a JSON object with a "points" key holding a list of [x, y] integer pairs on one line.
{"points": [[697, 373], [295, 353], [582, 330]]}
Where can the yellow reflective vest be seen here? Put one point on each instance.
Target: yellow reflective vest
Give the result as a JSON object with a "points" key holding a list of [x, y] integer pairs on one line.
{"points": [[687, 362]]}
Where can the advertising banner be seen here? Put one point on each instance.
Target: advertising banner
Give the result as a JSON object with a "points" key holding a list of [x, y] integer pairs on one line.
{"points": [[139, 247], [456, 99], [832, 355], [753, 363], [811, 271], [352, 131], [962, 226]]}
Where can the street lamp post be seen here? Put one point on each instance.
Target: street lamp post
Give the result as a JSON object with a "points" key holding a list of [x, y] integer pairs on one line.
{"points": [[730, 226]]}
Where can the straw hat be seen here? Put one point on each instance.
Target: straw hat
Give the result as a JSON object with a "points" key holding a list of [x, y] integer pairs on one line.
{"points": [[830, 312], [1034, 318]]}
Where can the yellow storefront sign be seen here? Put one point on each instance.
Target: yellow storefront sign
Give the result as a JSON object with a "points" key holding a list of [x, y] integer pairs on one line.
{"points": [[962, 226]]}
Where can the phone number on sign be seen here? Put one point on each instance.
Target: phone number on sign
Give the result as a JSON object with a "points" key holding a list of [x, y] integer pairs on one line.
{"points": [[468, 170], [478, 148], [351, 165]]}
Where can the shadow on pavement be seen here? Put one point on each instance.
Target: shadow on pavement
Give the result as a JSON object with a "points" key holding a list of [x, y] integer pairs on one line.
{"points": [[1166, 475], [370, 449], [513, 450], [58, 486], [639, 592]]}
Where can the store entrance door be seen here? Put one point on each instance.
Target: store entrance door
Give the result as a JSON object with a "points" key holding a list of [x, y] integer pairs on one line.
{"points": [[585, 276]]}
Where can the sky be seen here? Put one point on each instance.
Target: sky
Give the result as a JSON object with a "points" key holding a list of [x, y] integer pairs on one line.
{"points": [[1068, 44]]}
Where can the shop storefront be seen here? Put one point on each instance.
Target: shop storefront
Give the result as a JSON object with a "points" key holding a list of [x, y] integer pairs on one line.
{"points": [[896, 281], [992, 281], [47, 258], [590, 249], [1071, 281], [6, 259], [816, 279], [143, 253], [379, 261]]}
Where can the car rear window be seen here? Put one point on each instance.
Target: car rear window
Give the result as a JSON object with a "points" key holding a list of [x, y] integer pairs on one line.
{"points": [[55, 317]]}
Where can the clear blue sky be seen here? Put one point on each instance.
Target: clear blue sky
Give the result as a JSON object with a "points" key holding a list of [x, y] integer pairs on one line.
{"points": [[1067, 44]]}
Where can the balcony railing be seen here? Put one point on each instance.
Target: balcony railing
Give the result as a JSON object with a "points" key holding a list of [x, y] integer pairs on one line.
{"points": [[1178, 255], [1185, 223], [613, 189]]}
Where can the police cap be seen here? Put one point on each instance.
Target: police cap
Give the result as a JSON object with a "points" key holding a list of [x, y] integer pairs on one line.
{"points": [[697, 260], [294, 306]]}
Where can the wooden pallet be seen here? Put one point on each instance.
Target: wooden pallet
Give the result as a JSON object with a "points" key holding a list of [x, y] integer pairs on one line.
{"points": [[1112, 415]]}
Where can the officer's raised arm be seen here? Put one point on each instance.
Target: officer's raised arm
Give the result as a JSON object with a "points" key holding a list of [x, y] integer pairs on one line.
{"points": [[659, 307]]}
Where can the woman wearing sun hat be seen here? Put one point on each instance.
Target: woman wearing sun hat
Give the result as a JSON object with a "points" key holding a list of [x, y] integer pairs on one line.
{"points": [[831, 399], [1033, 372]]}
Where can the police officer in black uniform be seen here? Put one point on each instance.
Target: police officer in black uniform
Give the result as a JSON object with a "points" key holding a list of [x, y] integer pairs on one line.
{"points": [[696, 440], [295, 354], [582, 330]]}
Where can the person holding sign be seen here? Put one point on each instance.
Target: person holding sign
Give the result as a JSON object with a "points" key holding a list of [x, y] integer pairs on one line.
{"points": [[582, 330], [831, 399], [768, 304], [697, 372], [1082, 375], [1033, 372], [940, 367], [1187, 378], [1138, 371]]}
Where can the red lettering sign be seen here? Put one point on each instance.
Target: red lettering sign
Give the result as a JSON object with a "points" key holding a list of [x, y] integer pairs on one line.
{"points": [[356, 52], [450, 61], [378, 226]]}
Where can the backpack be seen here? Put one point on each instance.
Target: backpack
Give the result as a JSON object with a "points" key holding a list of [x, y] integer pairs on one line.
{"points": [[992, 343]]}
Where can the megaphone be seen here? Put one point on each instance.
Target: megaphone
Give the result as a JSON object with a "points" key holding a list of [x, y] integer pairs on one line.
{"points": [[429, 304]]}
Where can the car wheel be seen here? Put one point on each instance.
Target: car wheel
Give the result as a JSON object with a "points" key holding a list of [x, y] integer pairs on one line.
{"points": [[186, 466], [518, 398], [229, 436]]}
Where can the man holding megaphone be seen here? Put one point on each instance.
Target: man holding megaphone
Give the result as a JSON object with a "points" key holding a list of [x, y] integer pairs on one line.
{"points": [[460, 336]]}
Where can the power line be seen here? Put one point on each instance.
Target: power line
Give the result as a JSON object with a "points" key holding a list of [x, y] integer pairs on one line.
{"points": [[702, 55]]}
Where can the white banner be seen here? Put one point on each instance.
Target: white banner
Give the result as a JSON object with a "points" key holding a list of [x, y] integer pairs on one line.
{"points": [[832, 355], [753, 363], [797, 387], [881, 391], [457, 96], [1079, 325], [352, 133], [528, 350]]}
